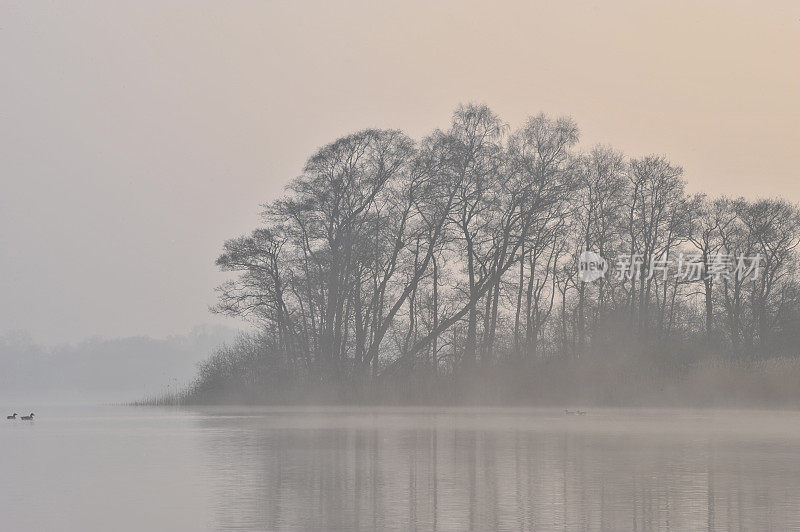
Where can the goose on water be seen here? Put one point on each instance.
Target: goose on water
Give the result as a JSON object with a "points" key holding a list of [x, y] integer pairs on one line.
{"points": [[27, 418], [12, 416]]}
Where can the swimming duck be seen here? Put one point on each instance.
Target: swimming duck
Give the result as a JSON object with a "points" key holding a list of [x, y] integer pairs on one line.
{"points": [[28, 418], [12, 417]]}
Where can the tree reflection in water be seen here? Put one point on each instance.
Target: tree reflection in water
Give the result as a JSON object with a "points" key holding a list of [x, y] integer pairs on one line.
{"points": [[502, 469]]}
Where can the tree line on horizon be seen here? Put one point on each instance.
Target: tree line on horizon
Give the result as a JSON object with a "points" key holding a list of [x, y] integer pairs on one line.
{"points": [[459, 253]]}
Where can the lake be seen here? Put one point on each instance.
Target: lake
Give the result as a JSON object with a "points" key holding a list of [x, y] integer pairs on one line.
{"points": [[125, 468]]}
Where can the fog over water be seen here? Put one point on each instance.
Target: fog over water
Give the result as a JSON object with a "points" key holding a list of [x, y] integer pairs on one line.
{"points": [[382, 213], [433, 469]]}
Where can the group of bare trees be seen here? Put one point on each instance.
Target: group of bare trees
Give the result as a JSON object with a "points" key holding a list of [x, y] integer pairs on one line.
{"points": [[461, 251]]}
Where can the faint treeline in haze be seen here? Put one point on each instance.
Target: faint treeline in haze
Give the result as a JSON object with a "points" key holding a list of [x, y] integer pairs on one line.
{"points": [[446, 270], [103, 369]]}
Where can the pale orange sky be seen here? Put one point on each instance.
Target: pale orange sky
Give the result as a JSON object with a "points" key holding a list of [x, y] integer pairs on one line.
{"points": [[136, 137]]}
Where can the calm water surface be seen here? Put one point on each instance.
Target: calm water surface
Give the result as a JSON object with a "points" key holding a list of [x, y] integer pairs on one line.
{"points": [[118, 468]]}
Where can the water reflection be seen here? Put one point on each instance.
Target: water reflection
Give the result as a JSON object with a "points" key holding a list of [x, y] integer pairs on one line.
{"points": [[498, 470]]}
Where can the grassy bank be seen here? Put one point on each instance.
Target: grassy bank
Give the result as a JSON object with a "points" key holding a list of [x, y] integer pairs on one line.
{"points": [[711, 381]]}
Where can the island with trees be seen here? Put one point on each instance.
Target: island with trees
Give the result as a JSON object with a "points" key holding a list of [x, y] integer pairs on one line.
{"points": [[445, 270]]}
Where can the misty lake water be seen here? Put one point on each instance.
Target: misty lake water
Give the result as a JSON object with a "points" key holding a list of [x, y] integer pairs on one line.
{"points": [[123, 468]]}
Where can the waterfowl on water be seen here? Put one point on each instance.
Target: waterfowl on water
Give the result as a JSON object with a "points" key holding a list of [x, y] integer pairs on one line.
{"points": [[575, 412], [14, 416], [28, 418]]}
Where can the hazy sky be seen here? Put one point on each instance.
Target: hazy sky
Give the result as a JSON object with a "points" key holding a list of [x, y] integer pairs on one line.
{"points": [[135, 137]]}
